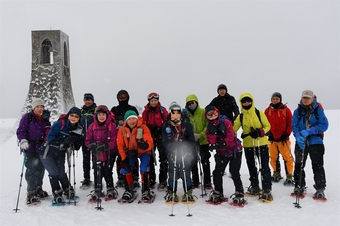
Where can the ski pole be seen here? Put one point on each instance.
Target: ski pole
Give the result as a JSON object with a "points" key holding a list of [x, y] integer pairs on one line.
{"points": [[260, 164], [185, 184], [98, 188], [297, 201], [74, 174], [204, 192], [173, 185], [20, 184]]}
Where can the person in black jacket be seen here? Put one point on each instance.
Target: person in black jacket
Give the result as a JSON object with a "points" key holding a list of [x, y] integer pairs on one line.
{"points": [[225, 103], [123, 98]]}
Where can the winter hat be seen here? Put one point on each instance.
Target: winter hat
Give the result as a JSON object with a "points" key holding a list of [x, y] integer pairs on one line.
{"points": [[37, 102], [74, 110], [88, 96], [211, 111], [277, 94], [102, 109], [153, 95], [174, 106], [308, 94], [222, 86], [130, 114]]}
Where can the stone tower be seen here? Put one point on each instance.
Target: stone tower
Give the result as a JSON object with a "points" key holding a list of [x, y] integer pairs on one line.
{"points": [[50, 76]]}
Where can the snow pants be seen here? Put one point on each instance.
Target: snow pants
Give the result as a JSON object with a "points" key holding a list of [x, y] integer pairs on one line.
{"points": [[282, 147], [35, 171]]}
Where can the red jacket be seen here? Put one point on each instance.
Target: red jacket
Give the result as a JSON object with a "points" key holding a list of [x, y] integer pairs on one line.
{"points": [[280, 120]]}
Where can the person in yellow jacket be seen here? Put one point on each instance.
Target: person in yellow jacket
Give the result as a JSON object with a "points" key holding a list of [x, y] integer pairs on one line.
{"points": [[255, 125], [134, 141]]}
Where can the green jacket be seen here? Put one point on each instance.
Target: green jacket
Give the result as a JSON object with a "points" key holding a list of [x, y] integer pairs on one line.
{"points": [[198, 119], [250, 119]]}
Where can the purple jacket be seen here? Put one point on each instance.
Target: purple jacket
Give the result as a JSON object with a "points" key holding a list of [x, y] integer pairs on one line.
{"points": [[33, 130], [106, 133]]}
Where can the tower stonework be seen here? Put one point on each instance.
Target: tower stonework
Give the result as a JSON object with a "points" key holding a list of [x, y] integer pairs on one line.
{"points": [[50, 76]]}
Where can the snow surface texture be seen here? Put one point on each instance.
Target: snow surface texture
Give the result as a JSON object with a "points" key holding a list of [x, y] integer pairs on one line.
{"points": [[280, 212]]}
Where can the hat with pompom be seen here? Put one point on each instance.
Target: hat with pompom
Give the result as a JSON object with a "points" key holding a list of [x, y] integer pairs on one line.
{"points": [[174, 106]]}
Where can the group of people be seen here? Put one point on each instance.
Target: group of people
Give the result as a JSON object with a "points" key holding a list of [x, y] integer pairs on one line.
{"points": [[185, 138]]}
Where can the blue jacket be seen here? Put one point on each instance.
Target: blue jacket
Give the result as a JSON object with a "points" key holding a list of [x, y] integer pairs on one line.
{"points": [[316, 126]]}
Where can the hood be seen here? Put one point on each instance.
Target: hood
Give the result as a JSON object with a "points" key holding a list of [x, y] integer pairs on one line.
{"points": [[246, 95], [191, 97]]}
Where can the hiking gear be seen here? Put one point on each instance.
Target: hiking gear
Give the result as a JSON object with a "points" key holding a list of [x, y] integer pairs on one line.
{"points": [[20, 183], [128, 197], [69, 193], [216, 197], [171, 196], [41, 194], [276, 177], [289, 180], [253, 190], [24, 144], [111, 193], [32, 199], [86, 183], [188, 198], [153, 95], [266, 196], [238, 199]]}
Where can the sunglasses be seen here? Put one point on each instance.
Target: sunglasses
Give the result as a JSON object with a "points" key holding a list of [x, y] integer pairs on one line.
{"points": [[212, 114], [191, 102], [175, 111], [153, 95], [122, 96]]}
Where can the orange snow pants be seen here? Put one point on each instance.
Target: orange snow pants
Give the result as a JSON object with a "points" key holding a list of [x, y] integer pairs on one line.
{"points": [[282, 147]]}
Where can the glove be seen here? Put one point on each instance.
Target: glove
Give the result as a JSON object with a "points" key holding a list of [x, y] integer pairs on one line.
{"points": [[197, 136], [70, 140], [132, 153], [212, 128], [212, 147], [24, 145], [304, 133], [244, 135], [253, 133], [143, 145], [100, 147], [126, 164], [301, 142], [93, 146], [221, 144], [284, 136]]}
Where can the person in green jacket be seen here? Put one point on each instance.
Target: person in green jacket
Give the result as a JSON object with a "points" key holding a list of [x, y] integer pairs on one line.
{"points": [[197, 119], [255, 125]]}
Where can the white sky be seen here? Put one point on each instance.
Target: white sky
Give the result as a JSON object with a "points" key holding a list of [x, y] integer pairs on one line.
{"points": [[179, 47]]}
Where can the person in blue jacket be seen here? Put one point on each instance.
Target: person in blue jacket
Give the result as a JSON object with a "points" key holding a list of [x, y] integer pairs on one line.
{"points": [[308, 124], [65, 136]]}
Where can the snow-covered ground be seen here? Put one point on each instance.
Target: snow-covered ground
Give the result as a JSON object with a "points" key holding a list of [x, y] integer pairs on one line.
{"points": [[280, 212]]}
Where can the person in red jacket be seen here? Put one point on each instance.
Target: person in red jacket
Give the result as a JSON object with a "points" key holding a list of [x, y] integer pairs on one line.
{"points": [[280, 119], [154, 116], [134, 141]]}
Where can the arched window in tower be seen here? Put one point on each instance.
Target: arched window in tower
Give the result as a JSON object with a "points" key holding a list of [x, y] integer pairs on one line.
{"points": [[46, 52], [65, 55]]}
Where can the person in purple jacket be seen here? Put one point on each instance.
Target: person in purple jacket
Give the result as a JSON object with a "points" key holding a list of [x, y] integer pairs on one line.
{"points": [[31, 134], [221, 137], [101, 140]]}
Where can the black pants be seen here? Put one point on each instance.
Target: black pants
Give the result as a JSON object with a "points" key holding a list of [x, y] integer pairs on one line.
{"points": [[86, 162], [103, 170], [234, 167], [251, 154], [316, 152], [204, 155], [163, 164]]}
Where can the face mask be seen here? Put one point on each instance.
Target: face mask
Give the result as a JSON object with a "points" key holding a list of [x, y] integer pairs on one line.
{"points": [[192, 106]]}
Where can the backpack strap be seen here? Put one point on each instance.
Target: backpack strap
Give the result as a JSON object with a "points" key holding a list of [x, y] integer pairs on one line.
{"points": [[257, 113]]}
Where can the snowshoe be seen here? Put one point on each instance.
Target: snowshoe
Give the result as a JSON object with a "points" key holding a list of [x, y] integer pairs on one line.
{"points": [[171, 197], [58, 199], [266, 196], [32, 199], [147, 197], [136, 184], [86, 184], [216, 198], [111, 194], [41, 194], [162, 186], [95, 197], [128, 197], [120, 184], [188, 198], [69, 193], [253, 190], [301, 192], [238, 200], [276, 177], [319, 195], [208, 187], [289, 181]]}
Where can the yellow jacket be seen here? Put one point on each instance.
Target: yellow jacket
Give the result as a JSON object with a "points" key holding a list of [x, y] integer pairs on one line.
{"points": [[251, 120]]}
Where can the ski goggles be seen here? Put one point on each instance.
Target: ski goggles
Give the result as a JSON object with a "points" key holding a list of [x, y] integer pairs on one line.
{"points": [[212, 114], [191, 102], [153, 95], [122, 96]]}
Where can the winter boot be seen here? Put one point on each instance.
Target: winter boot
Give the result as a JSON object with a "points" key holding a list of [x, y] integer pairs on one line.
{"points": [[208, 186], [128, 195], [41, 194], [171, 197], [111, 193], [266, 195], [57, 196], [86, 183], [276, 177], [289, 180], [216, 197], [319, 194], [299, 191], [69, 193], [238, 198], [162, 186], [253, 190], [32, 198], [121, 182], [188, 197]]}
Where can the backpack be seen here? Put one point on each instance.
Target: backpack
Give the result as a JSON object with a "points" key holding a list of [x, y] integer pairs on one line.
{"points": [[257, 113], [160, 110], [315, 112]]}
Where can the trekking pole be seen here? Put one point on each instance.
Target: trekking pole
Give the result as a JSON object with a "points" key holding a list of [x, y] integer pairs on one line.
{"points": [[260, 164], [185, 184], [74, 174], [20, 184], [204, 192], [98, 187], [69, 174], [297, 201], [173, 186]]}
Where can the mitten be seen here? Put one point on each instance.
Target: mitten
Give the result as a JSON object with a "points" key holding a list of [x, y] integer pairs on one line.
{"points": [[254, 133], [304, 133], [126, 164], [143, 145], [93, 146], [284, 136], [100, 147], [212, 128], [260, 132], [24, 144], [244, 135], [132, 153], [301, 142]]}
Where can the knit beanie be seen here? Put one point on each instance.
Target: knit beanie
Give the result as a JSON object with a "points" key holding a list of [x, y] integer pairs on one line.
{"points": [[37, 102], [130, 114], [88, 96], [74, 110], [174, 106], [277, 94], [222, 86]]}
